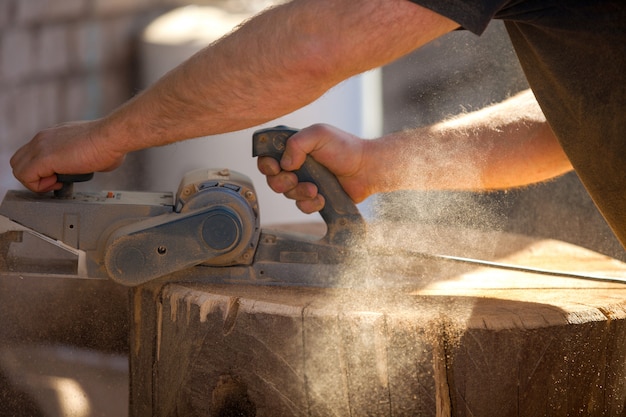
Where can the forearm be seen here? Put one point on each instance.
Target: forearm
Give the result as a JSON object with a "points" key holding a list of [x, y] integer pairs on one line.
{"points": [[278, 62], [503, 146]]}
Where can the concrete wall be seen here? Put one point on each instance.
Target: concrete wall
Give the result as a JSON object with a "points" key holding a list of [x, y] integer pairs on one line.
{"points": [[64, 60]]}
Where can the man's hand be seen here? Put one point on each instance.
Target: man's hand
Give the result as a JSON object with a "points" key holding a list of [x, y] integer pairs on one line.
{"points": [[338, 151], [70, 148], [499, 147]]}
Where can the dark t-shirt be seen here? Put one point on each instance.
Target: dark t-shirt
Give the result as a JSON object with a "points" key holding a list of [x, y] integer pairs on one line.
{"points": [[573, 53]]}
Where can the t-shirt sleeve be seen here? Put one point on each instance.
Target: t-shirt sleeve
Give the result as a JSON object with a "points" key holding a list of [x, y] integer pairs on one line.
{"points": [[473, 15]]}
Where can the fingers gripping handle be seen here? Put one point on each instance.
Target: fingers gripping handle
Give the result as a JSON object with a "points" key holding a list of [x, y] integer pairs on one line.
{"points": [[343, 220]]}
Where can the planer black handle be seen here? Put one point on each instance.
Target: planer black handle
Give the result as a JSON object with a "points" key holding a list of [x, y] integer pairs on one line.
{"points": [[67, 181], [344, 222]]}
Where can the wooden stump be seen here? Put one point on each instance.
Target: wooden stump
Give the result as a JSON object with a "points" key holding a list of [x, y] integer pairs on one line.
{"points": [[473, 342]]}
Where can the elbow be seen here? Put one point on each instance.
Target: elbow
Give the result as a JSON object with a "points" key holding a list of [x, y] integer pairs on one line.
{"points": [[318, 63], [314, 51]]}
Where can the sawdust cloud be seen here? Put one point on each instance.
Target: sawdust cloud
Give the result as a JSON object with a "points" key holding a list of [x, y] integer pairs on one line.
{"points": [[456, 74], [384, 301]]}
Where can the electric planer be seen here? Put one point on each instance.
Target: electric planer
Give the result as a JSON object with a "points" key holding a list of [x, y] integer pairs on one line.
{"points": [[212, 221], [209, 231]]}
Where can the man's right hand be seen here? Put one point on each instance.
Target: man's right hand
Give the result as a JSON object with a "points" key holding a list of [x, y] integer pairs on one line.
{"points": [[340, 152], [70, 148]]}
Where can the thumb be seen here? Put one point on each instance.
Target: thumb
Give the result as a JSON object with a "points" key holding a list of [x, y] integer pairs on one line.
{"points": [[301, 144]]}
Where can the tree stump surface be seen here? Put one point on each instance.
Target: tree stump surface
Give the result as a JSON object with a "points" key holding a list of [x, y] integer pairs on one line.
{"points": [[472, 341]]}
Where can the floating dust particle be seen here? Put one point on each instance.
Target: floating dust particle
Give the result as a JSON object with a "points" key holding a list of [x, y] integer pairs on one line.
{"points": [[438, 175], [363, 344], [447, 223], [446, 331], [347, 336]]}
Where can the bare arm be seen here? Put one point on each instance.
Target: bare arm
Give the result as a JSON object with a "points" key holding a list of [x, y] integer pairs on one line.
{"points": [[279, 61], [503, 146]]}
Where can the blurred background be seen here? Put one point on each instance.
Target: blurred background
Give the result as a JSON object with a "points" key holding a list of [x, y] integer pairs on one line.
{"points": [[63, 343]]}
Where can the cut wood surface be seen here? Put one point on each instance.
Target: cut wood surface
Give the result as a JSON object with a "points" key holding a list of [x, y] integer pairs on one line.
{"points": [[464, 341]]}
